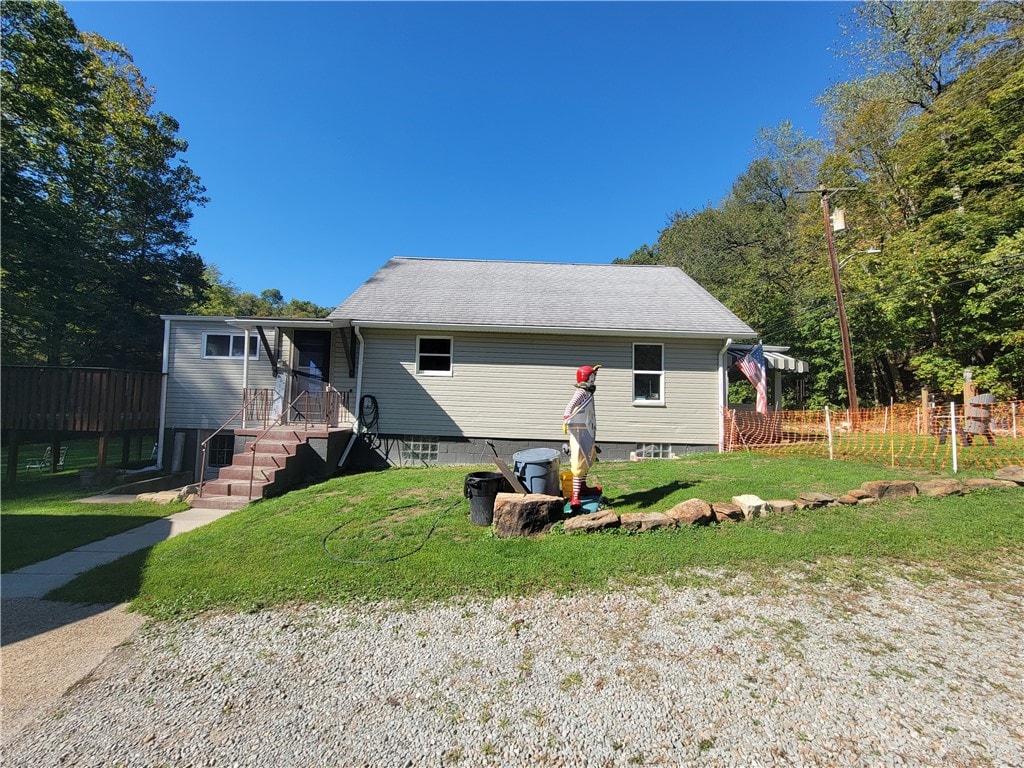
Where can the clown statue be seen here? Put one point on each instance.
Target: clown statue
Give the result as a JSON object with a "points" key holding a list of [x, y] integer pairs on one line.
{"points": [[580, 422]]}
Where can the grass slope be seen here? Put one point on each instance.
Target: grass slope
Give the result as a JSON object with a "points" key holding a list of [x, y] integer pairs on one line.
{"points": [[272, 552]]}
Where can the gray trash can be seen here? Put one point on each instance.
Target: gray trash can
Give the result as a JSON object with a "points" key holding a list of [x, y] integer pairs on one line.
{"points": [[979, 418], [537, 469], [481, 488]]}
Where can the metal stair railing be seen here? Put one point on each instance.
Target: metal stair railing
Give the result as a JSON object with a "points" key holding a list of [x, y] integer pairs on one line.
{"points": [[329, 404], [206, 443], [326, 407], [279, 421]]}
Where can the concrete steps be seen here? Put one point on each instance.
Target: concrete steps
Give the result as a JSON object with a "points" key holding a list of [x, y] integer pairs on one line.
{"points": [[268, 466], [219, 502], [277, 462]]}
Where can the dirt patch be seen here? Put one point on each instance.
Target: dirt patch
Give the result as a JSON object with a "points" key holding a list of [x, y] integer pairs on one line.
{"points": [[47, 647]]}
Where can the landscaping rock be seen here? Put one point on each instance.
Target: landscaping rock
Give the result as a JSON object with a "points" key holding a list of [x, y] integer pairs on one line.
{"points": [[858, 494], [751, 505], [158, 497], [595, 521], [867, 500], [941, 488], [1012, 473], [848, 500], [645, 521], [977, 483], [692, 512], [813, 500], [517, 515], [890, 489], [781, 505], [725, 510], [186, 493]]}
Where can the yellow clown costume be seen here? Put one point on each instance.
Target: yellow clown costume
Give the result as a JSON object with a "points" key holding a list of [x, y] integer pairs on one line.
{"points": [[579, 422]]}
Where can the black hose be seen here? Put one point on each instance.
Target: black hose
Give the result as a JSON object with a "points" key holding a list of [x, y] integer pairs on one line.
{"points": [[369, 413], [381, 561]]}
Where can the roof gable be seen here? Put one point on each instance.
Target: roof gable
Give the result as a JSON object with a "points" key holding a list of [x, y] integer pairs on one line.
{"points": [[533, 295]]}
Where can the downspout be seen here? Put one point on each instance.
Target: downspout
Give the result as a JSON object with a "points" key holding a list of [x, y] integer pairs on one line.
{"points": [[723, 393], [163, 396], [356, 426]]}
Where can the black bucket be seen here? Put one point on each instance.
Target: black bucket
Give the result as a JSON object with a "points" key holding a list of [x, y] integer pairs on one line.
{"points": [[481, 488]]}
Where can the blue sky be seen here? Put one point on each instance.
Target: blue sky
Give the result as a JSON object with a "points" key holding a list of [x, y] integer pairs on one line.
{"points": [[332, 136]]}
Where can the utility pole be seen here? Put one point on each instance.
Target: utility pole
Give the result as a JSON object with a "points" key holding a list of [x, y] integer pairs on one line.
{"points": [[844, 329]]}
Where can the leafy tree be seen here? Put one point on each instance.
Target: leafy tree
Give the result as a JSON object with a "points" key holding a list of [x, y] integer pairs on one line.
{"points": [[903, 131], [930, 134], [222, 298], [96, 200], [757, 251], [964, 162]]}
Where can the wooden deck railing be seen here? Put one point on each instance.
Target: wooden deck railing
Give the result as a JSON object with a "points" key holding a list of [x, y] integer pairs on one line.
{"points": [[79, 400]]}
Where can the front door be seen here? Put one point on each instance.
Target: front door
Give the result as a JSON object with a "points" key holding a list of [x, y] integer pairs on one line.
{"points": [[312, 372]]}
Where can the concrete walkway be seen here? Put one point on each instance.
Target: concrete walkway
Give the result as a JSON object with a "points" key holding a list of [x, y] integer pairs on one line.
{"points": [[46, 646], [39, 578]]}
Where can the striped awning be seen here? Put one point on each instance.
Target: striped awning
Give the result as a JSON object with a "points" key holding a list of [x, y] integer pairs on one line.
{"points": [[774, 358]]}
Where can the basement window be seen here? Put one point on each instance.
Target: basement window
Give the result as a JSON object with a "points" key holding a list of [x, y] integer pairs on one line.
{"points": [[221, 450], [653, 451], [434, 355], [419, 449], [229, 345], [648, 374]]}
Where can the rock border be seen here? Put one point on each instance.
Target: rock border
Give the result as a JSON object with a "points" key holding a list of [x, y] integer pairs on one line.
{"points": [[749, 506]]}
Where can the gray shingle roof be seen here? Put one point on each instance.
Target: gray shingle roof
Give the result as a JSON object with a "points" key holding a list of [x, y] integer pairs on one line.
{"points": [[520, 295]]}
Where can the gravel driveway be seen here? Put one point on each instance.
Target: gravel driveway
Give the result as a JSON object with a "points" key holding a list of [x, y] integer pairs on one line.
{"points": [[903, 672]]}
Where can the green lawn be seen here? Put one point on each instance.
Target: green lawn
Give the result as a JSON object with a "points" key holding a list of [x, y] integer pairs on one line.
{"points": [[405, 535], [82, 454], [40, 517]]}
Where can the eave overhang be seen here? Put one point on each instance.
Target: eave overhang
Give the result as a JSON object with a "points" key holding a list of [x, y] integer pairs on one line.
{"points": [[553, 330]]}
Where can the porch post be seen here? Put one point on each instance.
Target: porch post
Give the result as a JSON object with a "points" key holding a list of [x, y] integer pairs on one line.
{"points": [[245, 372], [723, 391], [12, 457]]}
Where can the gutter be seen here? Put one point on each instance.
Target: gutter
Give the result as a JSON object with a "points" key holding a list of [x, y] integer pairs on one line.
{"points": [[723, 393], [356, 426]]}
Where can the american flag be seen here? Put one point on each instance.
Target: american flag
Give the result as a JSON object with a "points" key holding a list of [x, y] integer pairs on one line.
{"points": [[752, 365]]}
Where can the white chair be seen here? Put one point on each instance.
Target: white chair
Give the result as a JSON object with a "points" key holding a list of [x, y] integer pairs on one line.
{"points": [[45, 460]]}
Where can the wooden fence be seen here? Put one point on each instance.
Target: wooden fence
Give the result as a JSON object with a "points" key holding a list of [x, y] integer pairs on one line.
{"points": [[47, 403], [78, 400]]}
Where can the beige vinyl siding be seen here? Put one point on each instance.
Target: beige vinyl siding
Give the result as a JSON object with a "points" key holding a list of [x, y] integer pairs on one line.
{"points": [[516, 386], [204, 393]]}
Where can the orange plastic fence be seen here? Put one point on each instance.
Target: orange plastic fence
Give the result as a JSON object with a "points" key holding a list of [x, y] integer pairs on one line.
{"points": [[902, 435]]}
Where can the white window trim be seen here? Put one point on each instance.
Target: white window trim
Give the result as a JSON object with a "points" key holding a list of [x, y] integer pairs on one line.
{"points": [[632, 382], [451, 357], [254, 346]]}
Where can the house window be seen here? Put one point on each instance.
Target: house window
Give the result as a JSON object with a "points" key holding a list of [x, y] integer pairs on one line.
{"points": [[648, 374], [221, 450], [434, 355], [419, 449], [217, 345]]}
